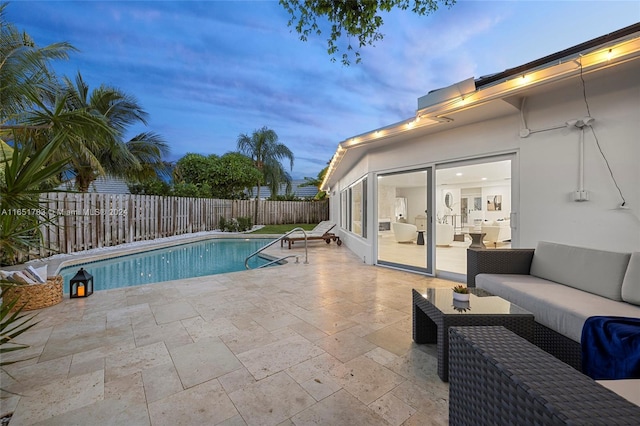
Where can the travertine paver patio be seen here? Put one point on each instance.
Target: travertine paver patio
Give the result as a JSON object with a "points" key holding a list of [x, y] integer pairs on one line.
{"points": [[328, 343]]}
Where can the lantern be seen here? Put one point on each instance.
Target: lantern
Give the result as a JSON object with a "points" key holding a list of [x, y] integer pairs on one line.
{"points": [[81, 285]]}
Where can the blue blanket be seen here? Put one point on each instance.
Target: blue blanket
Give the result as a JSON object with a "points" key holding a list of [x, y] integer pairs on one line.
{"points": [[611, 348]]}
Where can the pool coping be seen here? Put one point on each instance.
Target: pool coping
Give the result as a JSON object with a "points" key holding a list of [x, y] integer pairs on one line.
{"points": [[60, 261]]}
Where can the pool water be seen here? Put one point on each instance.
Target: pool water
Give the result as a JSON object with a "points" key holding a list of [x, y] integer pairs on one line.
{"points": [[208, 257]]}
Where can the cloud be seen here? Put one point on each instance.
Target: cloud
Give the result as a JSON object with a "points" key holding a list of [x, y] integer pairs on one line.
{"points": [[207, 71]]}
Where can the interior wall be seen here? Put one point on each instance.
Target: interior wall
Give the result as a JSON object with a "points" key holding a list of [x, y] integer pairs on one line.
{"points": [[486, 191], [441, 209], [504, 191], [386, 202], [416, 202]]}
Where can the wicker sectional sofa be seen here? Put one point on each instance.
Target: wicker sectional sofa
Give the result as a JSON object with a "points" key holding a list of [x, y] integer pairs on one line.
{"points": [[499, 378], [562, 286]]}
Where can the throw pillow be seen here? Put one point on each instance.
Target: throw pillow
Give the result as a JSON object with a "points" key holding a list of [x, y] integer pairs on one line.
{"points": [[42, 271], [39, 274], [27, 273], [21, 278], [6, 276]]}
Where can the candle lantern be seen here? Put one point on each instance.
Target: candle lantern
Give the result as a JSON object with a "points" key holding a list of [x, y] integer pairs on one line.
{"points": [[81, 285]]}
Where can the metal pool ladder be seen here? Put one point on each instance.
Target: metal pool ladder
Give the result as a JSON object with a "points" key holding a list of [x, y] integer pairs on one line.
{"points": [[255, 253]]}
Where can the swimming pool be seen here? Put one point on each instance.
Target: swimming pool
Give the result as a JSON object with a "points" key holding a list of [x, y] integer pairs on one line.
{"points": [[208, 257]]}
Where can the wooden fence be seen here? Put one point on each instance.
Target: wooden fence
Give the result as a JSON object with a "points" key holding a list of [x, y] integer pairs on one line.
{"points": [[86, 221]]}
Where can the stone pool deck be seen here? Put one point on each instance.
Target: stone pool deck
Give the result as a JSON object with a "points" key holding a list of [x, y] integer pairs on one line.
{"points": [[326, 343]]}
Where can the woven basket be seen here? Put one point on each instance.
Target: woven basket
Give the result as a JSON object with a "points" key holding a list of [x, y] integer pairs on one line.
{"points": [[36, 296]]}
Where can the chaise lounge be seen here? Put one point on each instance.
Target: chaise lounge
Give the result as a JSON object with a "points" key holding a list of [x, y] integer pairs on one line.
{"points": [[320, 232]]}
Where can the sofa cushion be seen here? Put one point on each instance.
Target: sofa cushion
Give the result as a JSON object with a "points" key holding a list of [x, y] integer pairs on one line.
{"points": [[596, 271], [631, 282], [559, 307]]}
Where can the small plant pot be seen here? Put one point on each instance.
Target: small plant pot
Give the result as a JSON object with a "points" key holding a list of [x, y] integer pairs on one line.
{"points": [[461, 297], [461, 306]]}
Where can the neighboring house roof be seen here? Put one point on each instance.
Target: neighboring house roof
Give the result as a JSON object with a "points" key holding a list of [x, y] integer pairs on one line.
{"points": [[103, 185], [498, 94], [298, 191]]}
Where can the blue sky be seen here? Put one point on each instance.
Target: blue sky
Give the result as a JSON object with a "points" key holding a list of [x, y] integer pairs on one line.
{"points": [[209, 71]]}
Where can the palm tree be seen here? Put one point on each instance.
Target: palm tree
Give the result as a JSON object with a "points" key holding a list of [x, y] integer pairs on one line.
{"points": [[317, 182], [276, 175], [266, 153], [34, 107], [24, 71], [135, 160]]}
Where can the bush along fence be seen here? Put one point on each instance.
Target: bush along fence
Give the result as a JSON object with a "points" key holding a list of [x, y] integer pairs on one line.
{"points": [[86, 221]]}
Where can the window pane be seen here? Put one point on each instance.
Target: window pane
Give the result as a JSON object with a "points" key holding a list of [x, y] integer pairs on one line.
{"points": [[356, 208], [343, 209]]}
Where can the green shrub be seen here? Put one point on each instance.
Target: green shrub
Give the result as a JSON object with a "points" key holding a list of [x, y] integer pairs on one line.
{"points": [[232, 225], [240, 224], [244, 224]]}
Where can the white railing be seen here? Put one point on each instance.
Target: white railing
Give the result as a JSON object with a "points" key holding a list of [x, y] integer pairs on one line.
{"points": [[260, 250]]}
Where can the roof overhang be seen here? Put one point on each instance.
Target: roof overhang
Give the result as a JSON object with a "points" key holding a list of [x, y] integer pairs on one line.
{"points": [[474, 100]]}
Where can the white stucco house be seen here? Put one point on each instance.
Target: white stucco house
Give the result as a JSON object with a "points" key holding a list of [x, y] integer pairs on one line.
{"points": [[547, 151]]}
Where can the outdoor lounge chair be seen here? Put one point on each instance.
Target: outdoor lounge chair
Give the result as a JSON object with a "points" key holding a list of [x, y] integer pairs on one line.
{"points": [[320, 232]]}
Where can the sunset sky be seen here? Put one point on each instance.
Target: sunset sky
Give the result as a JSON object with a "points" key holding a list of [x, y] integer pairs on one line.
{"points": [[209, 71]]}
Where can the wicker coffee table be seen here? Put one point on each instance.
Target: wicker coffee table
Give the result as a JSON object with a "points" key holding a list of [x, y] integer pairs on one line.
{"points": [[434, 312]]}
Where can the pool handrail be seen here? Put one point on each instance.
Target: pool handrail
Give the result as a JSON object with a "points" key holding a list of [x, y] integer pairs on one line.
{"points": [[306, 255]]}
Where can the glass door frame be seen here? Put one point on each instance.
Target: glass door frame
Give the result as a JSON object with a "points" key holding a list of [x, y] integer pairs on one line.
{"points": [[429, 241], [513, 158]]}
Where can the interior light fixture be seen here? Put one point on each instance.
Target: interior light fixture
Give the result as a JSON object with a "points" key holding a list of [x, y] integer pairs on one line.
{"points": [[609, 54], [458, 174]]}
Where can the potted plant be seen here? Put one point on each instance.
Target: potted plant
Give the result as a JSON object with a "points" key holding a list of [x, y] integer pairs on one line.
{"points": [[461, 293]]}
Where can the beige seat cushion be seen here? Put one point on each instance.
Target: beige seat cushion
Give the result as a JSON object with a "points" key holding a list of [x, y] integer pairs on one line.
{"points": [[631, 283], [559, 307], [629, 389], [596, 271]]}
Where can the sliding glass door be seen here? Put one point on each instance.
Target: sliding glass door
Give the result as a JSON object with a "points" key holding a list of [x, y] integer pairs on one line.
{"points": [[404, 220], [473, 200]]}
